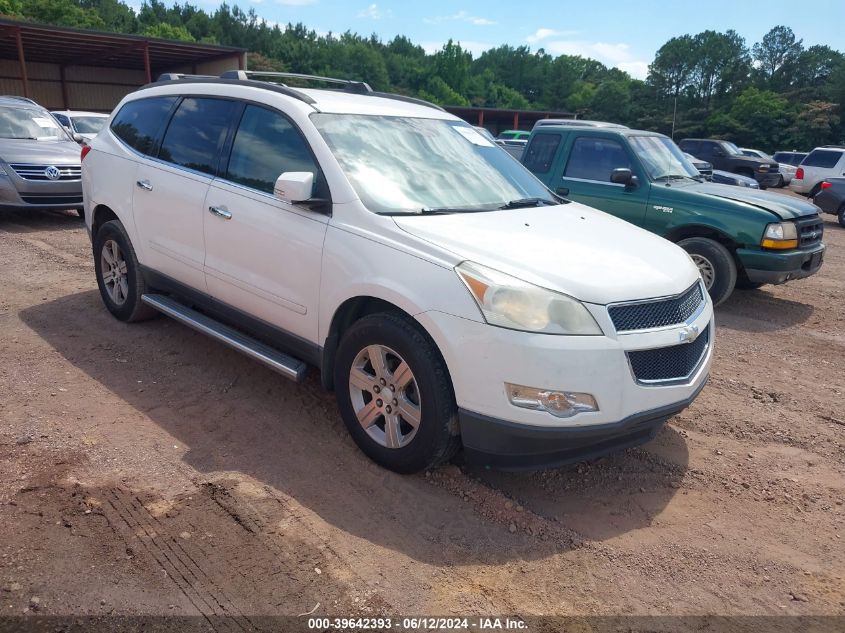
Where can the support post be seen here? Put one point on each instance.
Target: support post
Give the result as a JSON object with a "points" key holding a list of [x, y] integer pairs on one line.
{"points": [[147, 70], [481, 118], [65, 101], [241, 61], [516, 120], [22, 60]]}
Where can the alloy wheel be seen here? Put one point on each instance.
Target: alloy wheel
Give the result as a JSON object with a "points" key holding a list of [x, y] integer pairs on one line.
{"points": [[385, 396], [114, 272], [706, 268]]}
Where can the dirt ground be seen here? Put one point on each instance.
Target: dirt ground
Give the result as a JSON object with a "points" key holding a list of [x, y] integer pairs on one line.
{"points": [[145, 469]]}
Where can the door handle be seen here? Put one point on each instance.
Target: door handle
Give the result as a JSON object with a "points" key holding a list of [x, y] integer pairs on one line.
{"points": [[221, 212], [145, 185], [562, 191]]}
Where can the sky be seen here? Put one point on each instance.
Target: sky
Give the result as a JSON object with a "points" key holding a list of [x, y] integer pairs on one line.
{"points": [[615, 32]]}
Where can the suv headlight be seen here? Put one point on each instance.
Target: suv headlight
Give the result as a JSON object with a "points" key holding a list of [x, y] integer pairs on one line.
{"points": [[511, 303], [781, 235]]}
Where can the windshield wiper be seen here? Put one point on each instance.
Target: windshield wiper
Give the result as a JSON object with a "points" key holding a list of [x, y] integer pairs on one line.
{"points": [[528, 202], [21, 138]]}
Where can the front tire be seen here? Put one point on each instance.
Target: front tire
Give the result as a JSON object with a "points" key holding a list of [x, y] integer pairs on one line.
{"points": [[395, 395], [119, 274], [716, 265]]}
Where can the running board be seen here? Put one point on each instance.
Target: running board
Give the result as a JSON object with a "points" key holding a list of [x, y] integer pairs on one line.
{"points": [[287, 366]]}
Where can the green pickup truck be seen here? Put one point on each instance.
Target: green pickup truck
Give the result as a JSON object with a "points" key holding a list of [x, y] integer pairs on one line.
{"points": [[738, 237]]}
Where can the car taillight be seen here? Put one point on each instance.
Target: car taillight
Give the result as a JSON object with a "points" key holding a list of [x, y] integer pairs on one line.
{"points": [[84, 152], [826, 185], [800, 173]]}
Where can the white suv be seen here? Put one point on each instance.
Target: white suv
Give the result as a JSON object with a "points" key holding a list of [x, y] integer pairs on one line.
{"points": [[820, 164], [441, 290]]}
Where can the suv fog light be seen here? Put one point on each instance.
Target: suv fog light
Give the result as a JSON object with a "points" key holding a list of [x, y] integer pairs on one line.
{"points": [[561, 404]]}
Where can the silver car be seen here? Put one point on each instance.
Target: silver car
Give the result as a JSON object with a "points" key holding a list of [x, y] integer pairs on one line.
{"points": [[39, 161]]}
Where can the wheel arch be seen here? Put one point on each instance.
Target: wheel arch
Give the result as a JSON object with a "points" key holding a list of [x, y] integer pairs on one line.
{"points": [[701, 230], [99, 216], [352, 310]]}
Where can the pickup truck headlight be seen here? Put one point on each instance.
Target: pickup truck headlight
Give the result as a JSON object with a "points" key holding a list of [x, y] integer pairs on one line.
{"points": [[781, 235], [511, 303]]}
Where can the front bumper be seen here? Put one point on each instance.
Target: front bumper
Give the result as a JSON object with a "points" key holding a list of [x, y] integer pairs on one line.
{"points": [[772, 267], [483, 358], [19, 194], [767, 179], [504, 445]]}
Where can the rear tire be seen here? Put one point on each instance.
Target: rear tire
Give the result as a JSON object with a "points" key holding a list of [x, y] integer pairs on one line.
{"points": [[842, 216], [716, 265], [119, 274], [384, 350]]}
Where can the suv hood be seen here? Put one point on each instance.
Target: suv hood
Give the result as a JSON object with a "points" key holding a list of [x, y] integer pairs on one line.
{"points": [[39, 152], [783, 206], [570, 248]]}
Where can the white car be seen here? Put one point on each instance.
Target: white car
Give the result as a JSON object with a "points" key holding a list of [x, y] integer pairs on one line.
{"points": [[86, 124], [820, 164], [439, 288], [787, 172]]}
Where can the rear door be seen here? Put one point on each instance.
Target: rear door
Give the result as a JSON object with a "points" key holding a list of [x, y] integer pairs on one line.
{"points": [[263, 255], [170, 190], [586, 176]]}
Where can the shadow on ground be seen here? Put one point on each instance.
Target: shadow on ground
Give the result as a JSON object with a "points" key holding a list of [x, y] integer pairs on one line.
{"points": [[236, 416]]}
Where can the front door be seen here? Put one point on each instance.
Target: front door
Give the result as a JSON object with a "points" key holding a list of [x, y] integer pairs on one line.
{"points": [[263, 255], [586, 178]]}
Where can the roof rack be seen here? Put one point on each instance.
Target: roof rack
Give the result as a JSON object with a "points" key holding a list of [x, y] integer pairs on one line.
{"points": [[256, 78]]}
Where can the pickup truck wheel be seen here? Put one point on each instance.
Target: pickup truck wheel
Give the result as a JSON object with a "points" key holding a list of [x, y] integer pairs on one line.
{"points": [[716, 265], [394, 394], [119, 274]]}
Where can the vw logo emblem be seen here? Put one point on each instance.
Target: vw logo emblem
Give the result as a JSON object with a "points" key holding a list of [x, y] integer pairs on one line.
{"points": [[52, 172]]}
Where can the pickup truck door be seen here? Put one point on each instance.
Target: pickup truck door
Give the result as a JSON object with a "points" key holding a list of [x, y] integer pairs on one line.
{"points": [[585, 177]]}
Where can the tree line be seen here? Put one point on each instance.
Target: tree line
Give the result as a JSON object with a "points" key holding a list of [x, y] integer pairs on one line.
{"points": [[774, 94]]}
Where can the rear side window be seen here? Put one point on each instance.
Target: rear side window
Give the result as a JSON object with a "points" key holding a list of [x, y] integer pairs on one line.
{"points": [[822, 158], [139, 122], [196, 133], [596, 158], [541, 153], [690, 147], [265, 146]]}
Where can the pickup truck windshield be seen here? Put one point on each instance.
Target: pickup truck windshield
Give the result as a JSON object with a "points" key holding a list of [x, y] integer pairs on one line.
{"points": [[662, 159], [407, 165]]}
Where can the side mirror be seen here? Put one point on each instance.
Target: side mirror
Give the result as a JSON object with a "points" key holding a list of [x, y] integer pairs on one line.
{"points": [[294, 186], [76, 136], [623, 176]]}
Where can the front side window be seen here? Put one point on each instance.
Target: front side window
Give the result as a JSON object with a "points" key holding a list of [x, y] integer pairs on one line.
{"points": [[413, 165], [196, 133], [661, 158], [265, 146], [139, 122], [825, 159], [596, 158], [541, 153], [29, 124]]}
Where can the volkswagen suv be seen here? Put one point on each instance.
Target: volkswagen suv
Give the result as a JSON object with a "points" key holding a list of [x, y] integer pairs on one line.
{"points": [[443, 292], [39, 160]]}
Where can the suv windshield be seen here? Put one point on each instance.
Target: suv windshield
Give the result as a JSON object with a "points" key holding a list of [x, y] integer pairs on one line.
{"points": [[661, 158], [414, 165], [89, 124], [731, 149], [28, 123]]}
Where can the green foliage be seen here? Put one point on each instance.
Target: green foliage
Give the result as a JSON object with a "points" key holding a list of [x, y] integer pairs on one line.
{"points": [[771, 94]]}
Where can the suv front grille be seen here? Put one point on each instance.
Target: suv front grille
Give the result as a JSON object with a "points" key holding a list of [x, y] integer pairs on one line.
{"points": [[810, 230], [658, 313], [38, 172], [669, 364]]}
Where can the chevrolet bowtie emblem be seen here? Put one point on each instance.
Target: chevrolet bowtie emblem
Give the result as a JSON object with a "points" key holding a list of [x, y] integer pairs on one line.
{"points": [[689, 334]]}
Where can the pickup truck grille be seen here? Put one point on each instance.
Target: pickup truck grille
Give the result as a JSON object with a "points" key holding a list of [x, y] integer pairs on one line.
{"points": [[29, 171], [810, 230], [669, 364], [647, 315]]}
